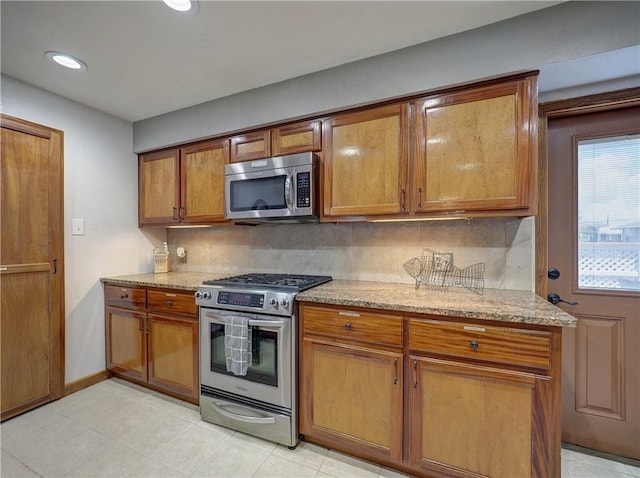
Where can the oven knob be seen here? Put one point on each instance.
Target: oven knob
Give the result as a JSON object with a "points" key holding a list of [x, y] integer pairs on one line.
{"points": [[198, 295], [274, 302], [284, 303], [206, 295]]}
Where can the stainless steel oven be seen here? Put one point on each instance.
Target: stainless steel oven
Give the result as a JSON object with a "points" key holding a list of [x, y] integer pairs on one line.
{"points": [[261, 401]]}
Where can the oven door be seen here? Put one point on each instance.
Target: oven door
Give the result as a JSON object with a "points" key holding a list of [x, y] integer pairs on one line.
{"points": [[269, 376]]}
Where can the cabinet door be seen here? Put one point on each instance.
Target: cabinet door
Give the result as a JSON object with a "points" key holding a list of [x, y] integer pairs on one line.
{"points": [[202, 181], [487, 413], [173, 354], [352, 397], [476, 149], [250, 146], [365, 162], [126, 343], [297, 138], [158, 188]]}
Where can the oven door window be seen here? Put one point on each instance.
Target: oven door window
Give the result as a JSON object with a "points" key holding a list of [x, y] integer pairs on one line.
{"points": [[264, 356], [260, 193]]}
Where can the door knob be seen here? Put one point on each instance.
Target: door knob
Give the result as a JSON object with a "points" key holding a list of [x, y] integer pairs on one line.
{"points": [[555, 299], [553, 274]]}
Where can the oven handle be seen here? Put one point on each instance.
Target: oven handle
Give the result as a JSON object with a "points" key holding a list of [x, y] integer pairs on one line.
{"points": [[218, 319], [219, 407]]}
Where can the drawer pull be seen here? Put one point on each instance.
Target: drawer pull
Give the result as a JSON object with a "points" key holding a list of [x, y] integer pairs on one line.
{"points": [[124, 296], [415, 374], [169, 303], [348, 313], [347, 326], [474, 345]]}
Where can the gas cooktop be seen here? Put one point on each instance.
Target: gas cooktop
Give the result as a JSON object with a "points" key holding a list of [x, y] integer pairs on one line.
{"points": [[289, 282]]}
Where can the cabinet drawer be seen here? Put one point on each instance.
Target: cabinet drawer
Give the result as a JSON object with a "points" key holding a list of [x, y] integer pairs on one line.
{"points": [[354, 325], [495, 344], [173, 302], [127, 297]]}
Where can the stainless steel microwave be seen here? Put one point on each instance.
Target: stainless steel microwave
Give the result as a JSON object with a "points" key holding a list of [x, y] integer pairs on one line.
{"points": [[283, 188]]}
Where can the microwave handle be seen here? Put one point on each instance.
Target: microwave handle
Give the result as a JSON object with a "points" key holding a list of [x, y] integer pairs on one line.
{"points": [[288, 187]]}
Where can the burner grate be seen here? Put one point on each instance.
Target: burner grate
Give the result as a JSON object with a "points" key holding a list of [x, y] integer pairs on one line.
{"points": [[291, 282]]}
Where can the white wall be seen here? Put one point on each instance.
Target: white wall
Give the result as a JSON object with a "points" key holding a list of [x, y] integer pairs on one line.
{"points": [[101, 184]]}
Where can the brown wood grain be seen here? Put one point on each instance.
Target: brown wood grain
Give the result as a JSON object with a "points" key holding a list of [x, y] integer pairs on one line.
{"points": [[297, 138], [173, 302], [126, 297], [159, 188], [251, 146]]}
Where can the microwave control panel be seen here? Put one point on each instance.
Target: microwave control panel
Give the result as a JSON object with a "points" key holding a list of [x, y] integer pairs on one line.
{"points": [[303, 189]]}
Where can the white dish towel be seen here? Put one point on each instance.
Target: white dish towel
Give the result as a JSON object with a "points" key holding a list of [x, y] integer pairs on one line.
{"points": [[237, 344]]}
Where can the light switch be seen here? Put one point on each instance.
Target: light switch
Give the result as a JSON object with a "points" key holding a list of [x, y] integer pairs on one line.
{"points": [[77, 227]]}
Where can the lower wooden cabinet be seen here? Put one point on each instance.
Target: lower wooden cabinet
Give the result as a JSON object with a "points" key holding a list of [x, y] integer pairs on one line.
{"points": [[353, 395], [153, 342], [433, 396]]}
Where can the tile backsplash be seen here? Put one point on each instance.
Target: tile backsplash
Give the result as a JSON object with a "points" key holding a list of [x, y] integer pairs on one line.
{"points": [[362, 251]]}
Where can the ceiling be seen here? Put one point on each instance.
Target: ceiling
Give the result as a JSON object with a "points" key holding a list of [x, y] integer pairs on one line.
{"points": [[145, 59]]}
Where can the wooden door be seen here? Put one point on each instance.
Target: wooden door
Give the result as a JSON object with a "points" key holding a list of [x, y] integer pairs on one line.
{"points": [[202, 181], [127, 342], [476, 149], [31, 258], [486, 413], [352, 396], [365, 162], [594, 245], [297, 138], [251, 146], [173, 355], [159, 188]]}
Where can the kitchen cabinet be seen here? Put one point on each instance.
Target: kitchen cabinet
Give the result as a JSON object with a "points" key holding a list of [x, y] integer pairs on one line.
{"points": [[183, 185], [351, 380], [366, 163], [484, 389], [478, 398], [152, 339], [287, 139], [476, 149]]}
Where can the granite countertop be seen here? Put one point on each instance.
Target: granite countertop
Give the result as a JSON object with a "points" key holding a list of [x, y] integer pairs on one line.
{"points": [[494, 304], [169, 280]]}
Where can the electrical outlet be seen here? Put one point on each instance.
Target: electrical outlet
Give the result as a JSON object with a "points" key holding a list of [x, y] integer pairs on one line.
{"points": [[77, 227]]}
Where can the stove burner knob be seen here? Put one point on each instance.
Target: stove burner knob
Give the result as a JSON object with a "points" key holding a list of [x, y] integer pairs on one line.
{"points": [[284, 303], [274, 302], [206, 295], [198, 295]]}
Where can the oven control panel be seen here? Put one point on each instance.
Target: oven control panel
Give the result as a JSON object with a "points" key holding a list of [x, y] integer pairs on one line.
{"points": [[268, 302], [241, 299]]}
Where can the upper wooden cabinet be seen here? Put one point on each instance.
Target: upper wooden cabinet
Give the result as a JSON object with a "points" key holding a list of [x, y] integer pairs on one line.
{"points": [[476, 149], [289, 139], [183, 185], [365, 162]]}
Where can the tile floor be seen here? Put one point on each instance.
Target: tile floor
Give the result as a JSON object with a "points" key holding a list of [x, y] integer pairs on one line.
{"points": [[114, 429]]}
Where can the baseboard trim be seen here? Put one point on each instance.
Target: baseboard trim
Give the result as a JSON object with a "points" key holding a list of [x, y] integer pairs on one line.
{"points": [[82, 383]]}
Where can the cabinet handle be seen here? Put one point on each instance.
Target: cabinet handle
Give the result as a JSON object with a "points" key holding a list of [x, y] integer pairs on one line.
{"points": [[175, 213], [148, 330], [140, 325], [419, 198], [395, 371], [55, 266], [181, 212], [415, 374], [347, 326], [404, 194], [169, 303], [474, 345]]}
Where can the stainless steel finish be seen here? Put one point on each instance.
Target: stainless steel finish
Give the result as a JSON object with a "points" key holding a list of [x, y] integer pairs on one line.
{"points": [[281, 395], [280, 428], [288, 166], [275, 302]]}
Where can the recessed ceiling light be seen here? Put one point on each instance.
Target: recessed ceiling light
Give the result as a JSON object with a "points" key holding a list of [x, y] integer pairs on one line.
{"points": [[66, 60], [180, 5]]}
